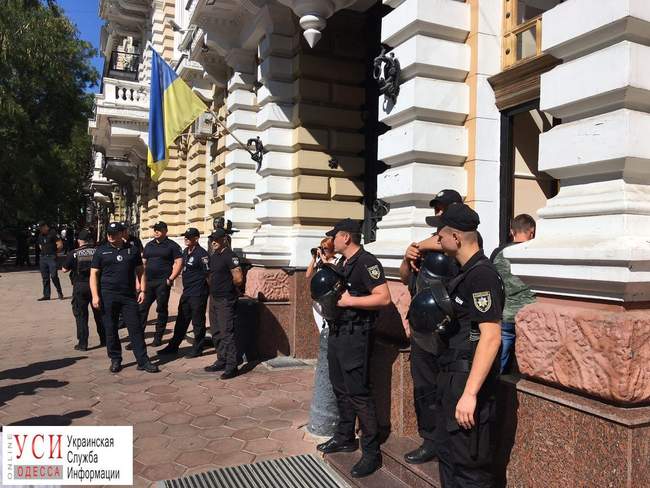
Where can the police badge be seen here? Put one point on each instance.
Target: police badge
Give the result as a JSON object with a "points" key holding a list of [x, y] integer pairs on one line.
{"points": [[374, 271], [482, 301]]}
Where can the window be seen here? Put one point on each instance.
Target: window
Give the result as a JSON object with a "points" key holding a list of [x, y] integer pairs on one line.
{"points": [[522, 27]]}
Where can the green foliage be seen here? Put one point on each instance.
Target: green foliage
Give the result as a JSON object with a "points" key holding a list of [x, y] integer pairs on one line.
{"points": [[45, 152]]}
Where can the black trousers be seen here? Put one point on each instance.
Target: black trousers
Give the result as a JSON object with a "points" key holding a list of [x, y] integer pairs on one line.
{"points": [[156, 291], [424, 371], [190, 309], [348, 356], [113, 305], [222, 327], [47, 266], [81, 300], [465, 457]]}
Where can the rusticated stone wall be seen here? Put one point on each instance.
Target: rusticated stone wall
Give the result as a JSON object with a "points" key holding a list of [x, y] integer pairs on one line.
{"points": [[598, 351]]}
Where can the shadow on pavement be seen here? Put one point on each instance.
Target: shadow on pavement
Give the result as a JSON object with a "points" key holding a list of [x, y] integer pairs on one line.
{"points": [[65, 419], [10, 392], [35, 369]]}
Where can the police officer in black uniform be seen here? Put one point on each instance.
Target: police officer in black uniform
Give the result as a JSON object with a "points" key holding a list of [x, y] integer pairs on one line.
{"points": [[194, 299], [130, 236], [469, 361], [77, 263], [349, 345], [424, 364], [225, 279], [49, 243], [163, 261], [117, 270]]}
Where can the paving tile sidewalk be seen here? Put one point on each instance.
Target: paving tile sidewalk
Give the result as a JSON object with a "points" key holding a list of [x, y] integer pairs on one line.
{"points": [[185, 420]]}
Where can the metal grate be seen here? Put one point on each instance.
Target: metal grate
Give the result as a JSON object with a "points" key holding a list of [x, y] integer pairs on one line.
{"points": [[305, 471]]}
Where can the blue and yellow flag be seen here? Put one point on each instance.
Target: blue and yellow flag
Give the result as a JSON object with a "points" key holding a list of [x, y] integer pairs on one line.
{"points": [[173, 106]]}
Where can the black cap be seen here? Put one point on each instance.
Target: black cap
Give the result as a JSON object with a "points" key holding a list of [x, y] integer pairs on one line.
{"points": [[458, 215], [160, 226], [192, 232], [444, 198], [114, 227], [83, 235], [345, 225], [218, 233]]}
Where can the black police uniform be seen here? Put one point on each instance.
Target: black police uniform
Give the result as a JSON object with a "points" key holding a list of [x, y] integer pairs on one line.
{"points": [[194, 299], [47, 262], [78, 262], [160, 256], [465, 457], [223, 307], [348, 354], [117, 285]]}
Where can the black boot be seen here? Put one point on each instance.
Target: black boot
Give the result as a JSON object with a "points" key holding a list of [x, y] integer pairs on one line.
{"points": [[228, 374], [168, 349], [149, 367], [116, 366], [334, 445], [423, 454], [213, 368], [367, 465]]}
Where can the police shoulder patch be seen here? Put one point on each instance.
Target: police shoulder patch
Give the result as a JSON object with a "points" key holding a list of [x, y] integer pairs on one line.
{"points": [[374, 271], [482, 301], [235, 260], [205, 259]]}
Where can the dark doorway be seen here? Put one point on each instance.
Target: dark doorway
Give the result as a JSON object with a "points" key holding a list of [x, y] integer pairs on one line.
{"points": [[524, 189]]}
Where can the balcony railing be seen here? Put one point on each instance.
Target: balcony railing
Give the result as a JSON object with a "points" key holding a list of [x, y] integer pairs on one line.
{"points": [[124, 65], [126, 93]]}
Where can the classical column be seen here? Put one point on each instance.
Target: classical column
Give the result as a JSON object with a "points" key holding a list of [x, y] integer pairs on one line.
{"points": [[427, 144], [240, 176], [588, 331]]}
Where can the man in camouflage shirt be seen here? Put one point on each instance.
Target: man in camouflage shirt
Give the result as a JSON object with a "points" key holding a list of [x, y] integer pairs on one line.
{"points": [[518, 295]]}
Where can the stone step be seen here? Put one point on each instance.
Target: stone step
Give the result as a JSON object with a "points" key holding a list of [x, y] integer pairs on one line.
{"points": [[414, 475], [342, 463]]}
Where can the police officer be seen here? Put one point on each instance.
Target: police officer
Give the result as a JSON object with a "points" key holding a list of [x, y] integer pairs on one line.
{"points": [[163, 261], [225, 279], [469, 361], [117, 269], [78, 264], [349, 346], [49, 243], [130, 236], [194, 299], [424, 364]]}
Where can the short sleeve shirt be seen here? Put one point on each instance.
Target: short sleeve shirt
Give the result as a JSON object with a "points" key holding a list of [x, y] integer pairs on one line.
{"points": [[47, 243], [221, 266], [118, 267], [478, 298], [160, 258], [196, 266], [363, 272], [79, 262]]}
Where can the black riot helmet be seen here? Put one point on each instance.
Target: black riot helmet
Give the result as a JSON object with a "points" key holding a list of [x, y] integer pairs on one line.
{"points": [[326, 286], [436, 267], [431, 313]]}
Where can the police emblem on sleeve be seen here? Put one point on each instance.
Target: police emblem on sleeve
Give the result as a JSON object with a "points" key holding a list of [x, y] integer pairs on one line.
{"points": [[205, 259], [374, 271], [235, 261], [119, 257], [482, 301]]}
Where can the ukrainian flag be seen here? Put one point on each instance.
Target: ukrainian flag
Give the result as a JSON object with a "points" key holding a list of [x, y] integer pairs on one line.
{"points": [[173, 106]]}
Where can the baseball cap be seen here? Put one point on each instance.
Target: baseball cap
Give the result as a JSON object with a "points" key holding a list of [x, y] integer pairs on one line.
{"points": [[218, 233], [191, 232], [444, 198], [160, 226], [345, 225], [83, 235], [114, 227], [458, 215]]}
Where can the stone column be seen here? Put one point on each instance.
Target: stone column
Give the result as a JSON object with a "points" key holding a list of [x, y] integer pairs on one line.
{"points": [[588, 331], [240, 174], [427, 143]]}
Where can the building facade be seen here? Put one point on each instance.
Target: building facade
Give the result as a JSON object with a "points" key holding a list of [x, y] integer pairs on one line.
{"points": [[366, 109]]}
